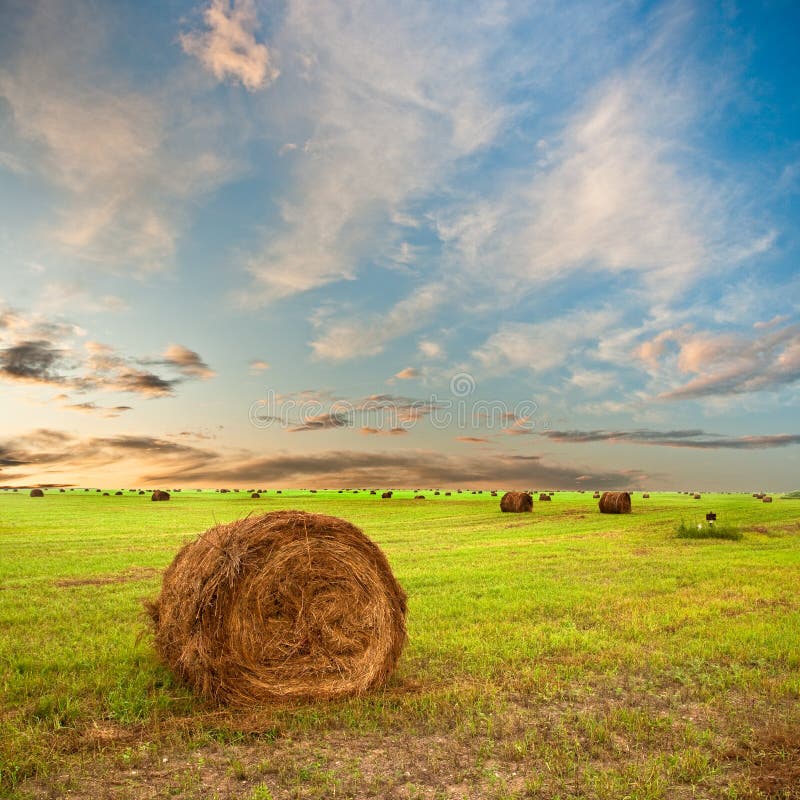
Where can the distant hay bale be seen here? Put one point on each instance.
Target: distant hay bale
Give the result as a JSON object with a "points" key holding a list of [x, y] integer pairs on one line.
{"points": [[419, 497], [596, 496], [615, 503], [159, 495], [386, 496], [645, 496], [62, 491], [436, 493], [279, 606], [448, 494], [516, 502], [118, 494], [695, 496], [106, 494], [35, 493], [545, 498], [142, 491], [255, 496], [372, 491], [766, 499]]}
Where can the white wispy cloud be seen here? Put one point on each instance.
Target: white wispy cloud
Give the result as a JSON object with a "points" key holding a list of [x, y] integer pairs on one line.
{"points": [[228, 48], [124, 162], [540, 346], [339, 340], [394, 98]]}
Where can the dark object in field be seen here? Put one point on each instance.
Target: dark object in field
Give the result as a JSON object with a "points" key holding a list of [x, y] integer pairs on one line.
{"points": [[615, 503], [419, 497], [516, 502], [437, 493], [159, 495], [35, 493], [544, 498], [711, 517], [142, 491], [106, 494], [448, 494], [695, 496], [313, 491], [279, 606], [596, 496], [372, 491], [118, 494], [61, 490], [646, 496], [255, 496], [386, 496], [766, 499], [494, 494]]}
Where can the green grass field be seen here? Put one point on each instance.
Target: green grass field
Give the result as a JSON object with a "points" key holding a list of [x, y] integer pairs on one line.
{"points": [[558, 654]]}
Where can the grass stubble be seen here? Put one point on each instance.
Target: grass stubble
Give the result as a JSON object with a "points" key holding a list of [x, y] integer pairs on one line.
{"points": [[558, 654]]}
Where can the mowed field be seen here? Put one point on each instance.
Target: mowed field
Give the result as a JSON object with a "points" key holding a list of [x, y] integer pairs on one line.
{"points": [[558, 654]]}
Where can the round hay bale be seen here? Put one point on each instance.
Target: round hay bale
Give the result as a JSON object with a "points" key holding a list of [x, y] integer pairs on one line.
{"points": [[696, 496], [419, 497], [545, 498], [386, 495], [118, 494], [615, 503], [142, 491], [159, 495], [281, 605], [448, 494], [646, 495], [35, 493], [596, 496], [766, 499], [255, 496], [516, 502]]}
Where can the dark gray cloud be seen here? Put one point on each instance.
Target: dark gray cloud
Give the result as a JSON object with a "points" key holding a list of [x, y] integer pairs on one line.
{"points": [[692, 438], [35, 361], [322, 422], [186, 361], [93, 408], [47, 352], [137, 381]]}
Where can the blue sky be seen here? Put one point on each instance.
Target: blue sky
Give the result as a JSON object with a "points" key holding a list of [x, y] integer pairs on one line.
{"points": [[489, 243]]}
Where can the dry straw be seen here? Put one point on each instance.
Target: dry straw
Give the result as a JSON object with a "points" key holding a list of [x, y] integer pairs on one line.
{"points": [[615, 503], [280, 606], [516, 502]]}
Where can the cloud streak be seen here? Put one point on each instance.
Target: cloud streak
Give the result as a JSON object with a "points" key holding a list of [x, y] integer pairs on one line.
{"points": [[693, 439]]}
